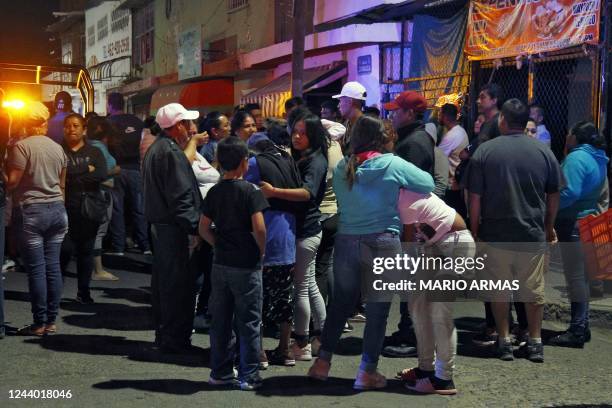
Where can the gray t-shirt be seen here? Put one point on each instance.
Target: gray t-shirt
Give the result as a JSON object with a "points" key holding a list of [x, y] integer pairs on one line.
{"points": [[513, 174], [42, 161]]}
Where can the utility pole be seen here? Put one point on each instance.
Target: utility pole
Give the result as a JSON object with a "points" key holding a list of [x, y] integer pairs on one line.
{"points": [[299, 34]]}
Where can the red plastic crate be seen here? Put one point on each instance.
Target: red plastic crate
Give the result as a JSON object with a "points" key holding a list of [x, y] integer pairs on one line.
{"points": [[596, 235]]}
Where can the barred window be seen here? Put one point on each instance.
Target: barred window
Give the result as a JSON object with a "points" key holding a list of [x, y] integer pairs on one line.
{"points": [[144, 27], [236, 4], [102, 28], [120, 19], [91, 36]]}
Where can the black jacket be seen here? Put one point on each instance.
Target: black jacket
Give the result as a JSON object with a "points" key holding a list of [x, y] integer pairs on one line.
{"points": [[416, 146], [171, 194], [78, 177]]}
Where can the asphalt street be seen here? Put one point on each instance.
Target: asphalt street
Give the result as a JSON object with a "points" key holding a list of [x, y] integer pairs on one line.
{"points": [[101, 354]]}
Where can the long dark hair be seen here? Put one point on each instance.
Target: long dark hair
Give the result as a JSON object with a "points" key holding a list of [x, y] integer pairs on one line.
{"points": [[238, 120], [318, 137], [98, 128], [587, 133], [368, 133]]}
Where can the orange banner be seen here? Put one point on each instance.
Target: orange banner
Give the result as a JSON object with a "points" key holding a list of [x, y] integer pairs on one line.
{"points": [[505, 28]]}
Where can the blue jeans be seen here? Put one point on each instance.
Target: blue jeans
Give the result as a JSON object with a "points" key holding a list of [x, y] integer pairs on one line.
{"points": [[43, 227], [128, 186], [576, 276], [352, 257], [236, 293]]}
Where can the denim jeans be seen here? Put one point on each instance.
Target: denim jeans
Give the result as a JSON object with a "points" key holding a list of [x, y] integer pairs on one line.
{"points": [[306, 296], [172, 286], [1, 263], [576, 276], [323, 269], [352, 255], [43, 227], [128, 186], [236, 293]]}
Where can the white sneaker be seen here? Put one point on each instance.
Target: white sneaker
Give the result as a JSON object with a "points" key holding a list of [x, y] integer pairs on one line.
{"points": [[301, 353]]}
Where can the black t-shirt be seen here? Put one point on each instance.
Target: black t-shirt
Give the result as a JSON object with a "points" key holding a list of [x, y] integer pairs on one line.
{"points": [[313, 171], [513, 174], [124, 144], [230, 205], [489, 130]]}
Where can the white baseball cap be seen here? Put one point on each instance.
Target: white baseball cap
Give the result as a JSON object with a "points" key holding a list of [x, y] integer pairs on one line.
{"points": [[172, 113], [353, 90]]}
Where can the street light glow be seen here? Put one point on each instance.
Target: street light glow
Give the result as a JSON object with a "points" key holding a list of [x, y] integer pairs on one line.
{"points": [[14, 104]]}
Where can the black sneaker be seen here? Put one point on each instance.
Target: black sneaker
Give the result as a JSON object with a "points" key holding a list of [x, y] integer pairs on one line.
{"points": [[282, 358], [535, 352], [443, 387], [504, 351], [400, 351], [347, 327], [251, 384], [567, 339], [84, 299]]}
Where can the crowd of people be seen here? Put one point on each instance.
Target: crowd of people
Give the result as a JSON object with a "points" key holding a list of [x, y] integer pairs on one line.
{"points": [[260, 223]]}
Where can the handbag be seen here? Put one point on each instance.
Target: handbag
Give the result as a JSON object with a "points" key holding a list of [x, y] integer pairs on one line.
{"points": [[94, 206]]}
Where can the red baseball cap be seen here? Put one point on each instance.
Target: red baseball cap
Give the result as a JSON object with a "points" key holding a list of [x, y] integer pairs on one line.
{"points": [[407, 100]]}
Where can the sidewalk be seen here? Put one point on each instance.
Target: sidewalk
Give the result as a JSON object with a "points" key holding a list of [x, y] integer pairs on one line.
{"points": [[558, 306]]}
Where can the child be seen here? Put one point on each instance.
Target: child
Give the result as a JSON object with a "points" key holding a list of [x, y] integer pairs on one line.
{"points": [[447, 236], [235, 206]]}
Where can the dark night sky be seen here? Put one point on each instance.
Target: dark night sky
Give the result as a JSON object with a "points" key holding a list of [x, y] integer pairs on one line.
{"points": [[22, 30]]}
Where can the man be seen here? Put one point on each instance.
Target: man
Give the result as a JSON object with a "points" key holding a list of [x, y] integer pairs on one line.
{"points": [[536, 112], [329, 110], [440, 163], [413, 142], [63, 107], [453, 143], [124, 146], [415, 145], [255, 111], [352, 99], [489, 102], [514, 185], [293, 103], [172, 206], [5, 131]]}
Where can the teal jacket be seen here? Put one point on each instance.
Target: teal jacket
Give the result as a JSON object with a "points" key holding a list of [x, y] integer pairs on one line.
{"points": [[584, 170], [371, 205]]}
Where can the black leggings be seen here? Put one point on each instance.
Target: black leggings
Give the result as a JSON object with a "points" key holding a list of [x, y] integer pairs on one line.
{"points": [[80, 241]]}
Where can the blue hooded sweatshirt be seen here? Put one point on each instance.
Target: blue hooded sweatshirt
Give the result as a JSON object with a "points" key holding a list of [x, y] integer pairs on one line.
{"points": [[584, 170], [371, 205]]}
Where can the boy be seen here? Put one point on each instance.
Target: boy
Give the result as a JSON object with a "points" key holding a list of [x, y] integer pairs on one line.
{"points": [[235, 206], [446, 235]]}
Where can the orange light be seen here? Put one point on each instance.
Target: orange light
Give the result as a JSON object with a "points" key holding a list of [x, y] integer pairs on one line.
{"points": [[14, 104]]}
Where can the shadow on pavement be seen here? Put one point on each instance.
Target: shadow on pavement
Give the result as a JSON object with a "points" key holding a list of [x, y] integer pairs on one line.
{"points": [[349, 346], [131, 294], [166, 386], [17, 296], [112, 316], [119, 346], [295, 386], [129, 262]]}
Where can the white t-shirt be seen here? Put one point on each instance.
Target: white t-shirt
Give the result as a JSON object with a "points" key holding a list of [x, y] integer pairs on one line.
{"points": [[415, 208], [453, 142], [206, 175]]}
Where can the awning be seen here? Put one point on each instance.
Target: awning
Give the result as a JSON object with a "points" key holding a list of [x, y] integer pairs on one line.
{"points": [[133, 4], [104, 70], [204, 95], [272, 96]]}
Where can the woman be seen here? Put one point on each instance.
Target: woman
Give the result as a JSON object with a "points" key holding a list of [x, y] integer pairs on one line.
{"points": [[243, 125], [367, 186], [36, 172], [217, 126], [85, 173], [98, 132], [309, 150], [585, 170], [531, 129]]}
